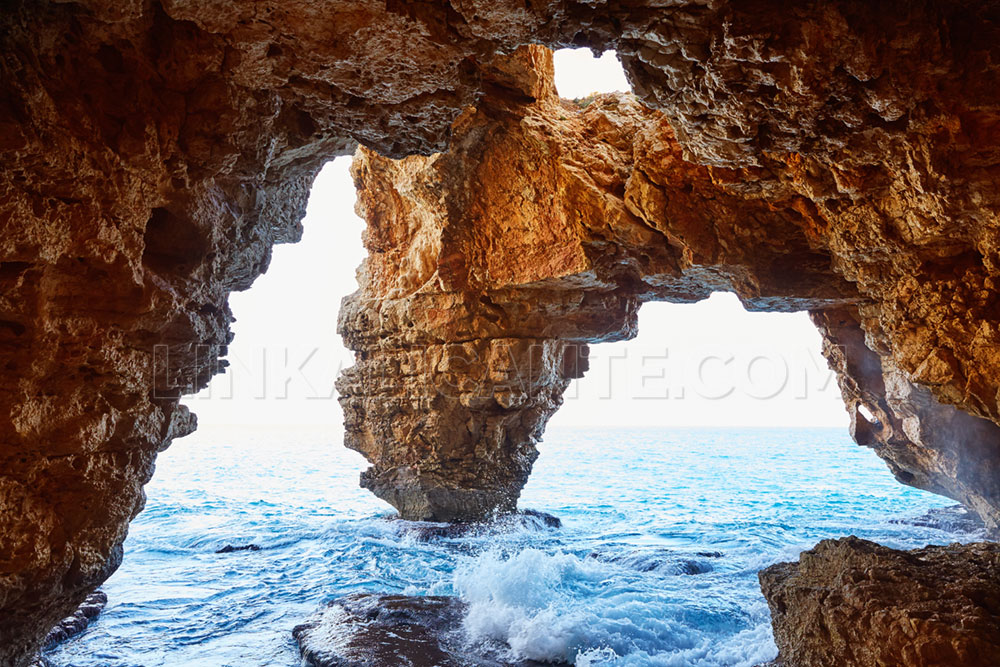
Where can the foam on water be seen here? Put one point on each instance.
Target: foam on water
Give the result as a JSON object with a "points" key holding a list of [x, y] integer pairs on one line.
{"points": [[559, 607], [663, 533]]}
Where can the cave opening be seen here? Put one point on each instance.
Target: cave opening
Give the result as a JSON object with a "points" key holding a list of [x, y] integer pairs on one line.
{"points": [[257, 519]]}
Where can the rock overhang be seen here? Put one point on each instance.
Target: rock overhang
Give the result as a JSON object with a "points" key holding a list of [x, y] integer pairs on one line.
{"points": [[153, 153]]}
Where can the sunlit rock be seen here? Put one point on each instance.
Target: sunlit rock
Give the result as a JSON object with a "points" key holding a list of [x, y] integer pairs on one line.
{"points": [[833, 154], [542, 228], [853, 602]]}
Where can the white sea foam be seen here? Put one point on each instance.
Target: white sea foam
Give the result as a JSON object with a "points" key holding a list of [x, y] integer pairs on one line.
{"points": [[560, 607]]}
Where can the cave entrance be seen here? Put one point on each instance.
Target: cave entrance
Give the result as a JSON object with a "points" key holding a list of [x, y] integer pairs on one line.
{"points": [[237, 517], [710, 446], [712, 364], [683, 462], [286, 354]]}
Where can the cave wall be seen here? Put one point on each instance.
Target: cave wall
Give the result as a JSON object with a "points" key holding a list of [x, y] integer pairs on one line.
{"points": [[152, 155], [153, 152]]}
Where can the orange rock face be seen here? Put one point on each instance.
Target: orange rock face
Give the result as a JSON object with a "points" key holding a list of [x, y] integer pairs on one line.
{"points": [[854, 602], [837, 155], [491, 265]]}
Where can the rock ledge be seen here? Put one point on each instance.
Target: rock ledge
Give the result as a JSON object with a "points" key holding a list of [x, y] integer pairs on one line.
{"points": [[854, 602]]}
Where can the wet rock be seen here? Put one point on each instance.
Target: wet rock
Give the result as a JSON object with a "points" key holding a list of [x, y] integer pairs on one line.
{"points": [[229, 548], [537, 517], [73, 625], [373, 630], [520, 520], [953, 519], [665, 561], [854, 602]]}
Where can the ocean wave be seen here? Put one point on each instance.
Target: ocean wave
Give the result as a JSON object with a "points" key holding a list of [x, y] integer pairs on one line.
{"points": [[559, 607]]}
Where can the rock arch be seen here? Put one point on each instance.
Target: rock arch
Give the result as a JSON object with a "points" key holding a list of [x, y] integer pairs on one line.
{"points": [[541, 229], [850, 148]]}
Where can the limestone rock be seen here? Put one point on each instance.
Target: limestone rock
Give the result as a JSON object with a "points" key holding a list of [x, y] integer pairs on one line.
{"points": [[491, 265], [823, 155], [539, 210], [372, 630], [853, 602], [927, 444]]}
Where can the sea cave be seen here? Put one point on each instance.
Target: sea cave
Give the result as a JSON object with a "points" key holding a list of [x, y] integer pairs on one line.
{"points": [[827, 158]]}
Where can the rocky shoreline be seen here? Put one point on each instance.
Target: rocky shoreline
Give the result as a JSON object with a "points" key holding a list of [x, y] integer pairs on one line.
{"points": [[927, 607]]}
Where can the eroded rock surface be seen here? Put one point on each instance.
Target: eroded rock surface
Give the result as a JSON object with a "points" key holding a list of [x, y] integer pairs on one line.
{"points": [[542, 228], [927, 444], [538, 211], [826, 154], [854, 602]]}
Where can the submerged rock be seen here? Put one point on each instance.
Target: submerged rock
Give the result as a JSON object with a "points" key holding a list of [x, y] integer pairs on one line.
{"points": [[854, 602], [523, 519], [73, 625], [665, 561], [953, 519], [229, 548], [373, 630]]}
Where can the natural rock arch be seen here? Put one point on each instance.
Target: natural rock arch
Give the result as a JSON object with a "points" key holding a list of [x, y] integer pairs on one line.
{"points": [[543, 228], [868, 131]]}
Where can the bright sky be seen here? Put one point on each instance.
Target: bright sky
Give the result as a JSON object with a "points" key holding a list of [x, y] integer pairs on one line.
{"points": [[711, 363]]}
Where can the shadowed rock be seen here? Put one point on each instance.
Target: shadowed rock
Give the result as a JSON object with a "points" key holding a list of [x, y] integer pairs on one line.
{"points": [[74, 625], [926, 443]]}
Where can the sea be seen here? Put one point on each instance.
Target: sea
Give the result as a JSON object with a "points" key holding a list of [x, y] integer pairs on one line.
{"points": [[663, 533]]}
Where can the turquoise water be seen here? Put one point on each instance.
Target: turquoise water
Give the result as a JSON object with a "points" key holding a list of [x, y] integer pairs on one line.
{"points": [[663, 533]]}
